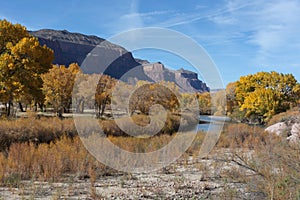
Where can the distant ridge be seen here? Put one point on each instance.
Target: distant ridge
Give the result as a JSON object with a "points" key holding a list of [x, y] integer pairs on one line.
{"points": [[186, 80], [75, 47]]}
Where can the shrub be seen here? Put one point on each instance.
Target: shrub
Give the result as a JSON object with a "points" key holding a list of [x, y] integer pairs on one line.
{"points": [[241, 135], [43, 130], [48, 161]]}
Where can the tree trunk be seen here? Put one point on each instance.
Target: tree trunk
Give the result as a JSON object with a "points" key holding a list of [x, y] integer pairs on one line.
{"points": [[59, 113], [41, 105], [81, 106], [35, 107], [103, 106], [8, 109], [21, 107], [102, 109], [78, 102]]}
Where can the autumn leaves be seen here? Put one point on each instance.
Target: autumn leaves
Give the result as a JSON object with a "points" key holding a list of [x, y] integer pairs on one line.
{"points": [[58, 86], [22, 61], [260, 96]]}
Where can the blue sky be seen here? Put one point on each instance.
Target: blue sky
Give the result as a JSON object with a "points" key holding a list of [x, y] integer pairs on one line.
{"points": [[241, 36]]}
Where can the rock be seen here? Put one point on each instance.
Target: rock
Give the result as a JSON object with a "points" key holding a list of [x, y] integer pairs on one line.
{"points": [[186, 80], [290, 128], [294, 138], [75, 47], [278, 129]]}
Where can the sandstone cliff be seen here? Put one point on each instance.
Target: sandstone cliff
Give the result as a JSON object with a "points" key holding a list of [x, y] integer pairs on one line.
{"points": [[91, 52], [186, 80]]}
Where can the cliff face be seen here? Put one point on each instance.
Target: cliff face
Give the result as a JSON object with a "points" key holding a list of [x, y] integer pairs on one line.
{"points": [[68, 47], [186, 80], [94, 54], [75, 47]]}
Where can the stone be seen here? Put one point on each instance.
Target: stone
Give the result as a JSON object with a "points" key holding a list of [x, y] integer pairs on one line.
{"points": [[278, 128], [294, 138], [187, 81]]}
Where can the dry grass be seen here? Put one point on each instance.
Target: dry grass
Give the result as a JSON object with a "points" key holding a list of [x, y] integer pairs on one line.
{"points": [[34, 130], [47, 161], [272, 165], [61, 155], [283, 116], [48, 129], [170, 127], [241, 136]]}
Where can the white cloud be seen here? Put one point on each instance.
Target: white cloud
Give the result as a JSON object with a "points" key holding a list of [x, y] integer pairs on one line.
{"points": [[216, 15], [223, 20], [277, 25], [200, 7], [271, 27], [146, 14]]}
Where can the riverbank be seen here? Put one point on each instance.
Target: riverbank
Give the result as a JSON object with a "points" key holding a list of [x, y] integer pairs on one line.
{"points": [[187, 178]]}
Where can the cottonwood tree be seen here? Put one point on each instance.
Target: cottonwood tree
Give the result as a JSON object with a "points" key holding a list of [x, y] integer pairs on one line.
{"points": [[219, 102], [103, 93], [230, 97], [121, 96], [150, 94], [84, 91], [58, 86], [22, 61], [205, 104], [266, 93], [188, 100]]}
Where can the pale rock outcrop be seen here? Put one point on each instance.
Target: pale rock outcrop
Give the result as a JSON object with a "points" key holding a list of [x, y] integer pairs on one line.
{"points": [[278, 128], [295, 134], [290, 129]]}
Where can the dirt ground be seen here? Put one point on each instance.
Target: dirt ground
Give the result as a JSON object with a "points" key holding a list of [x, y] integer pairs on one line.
{"points": [[188, 178]]}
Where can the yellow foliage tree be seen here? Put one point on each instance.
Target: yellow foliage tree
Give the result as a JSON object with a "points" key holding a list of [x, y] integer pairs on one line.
{"points": [[266, 93], [205, 104], [187, 99], [58, 86], [230, 97], [103, 93], [147, 95], [84, 91], [262, 103], [22, 61]]}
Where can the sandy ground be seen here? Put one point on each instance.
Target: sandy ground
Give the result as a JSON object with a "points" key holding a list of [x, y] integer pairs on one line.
{"points": [[188, 178]]}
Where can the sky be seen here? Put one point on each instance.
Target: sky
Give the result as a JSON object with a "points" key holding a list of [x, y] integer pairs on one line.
{"points": [[242, 37]]}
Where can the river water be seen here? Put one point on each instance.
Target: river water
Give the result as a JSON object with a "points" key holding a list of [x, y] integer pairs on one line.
{"points": [[207, 120]]}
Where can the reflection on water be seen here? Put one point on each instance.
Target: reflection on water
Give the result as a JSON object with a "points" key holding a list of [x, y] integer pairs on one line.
{"points": [[206, 121]]}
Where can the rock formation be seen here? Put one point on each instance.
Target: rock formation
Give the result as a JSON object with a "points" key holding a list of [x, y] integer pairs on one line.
{"points": [[96, 55], [102, 56], [290, 129], [186, 80]]}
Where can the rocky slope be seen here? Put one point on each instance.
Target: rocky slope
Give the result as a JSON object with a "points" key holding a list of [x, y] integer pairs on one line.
{"points": [[75, 47]]}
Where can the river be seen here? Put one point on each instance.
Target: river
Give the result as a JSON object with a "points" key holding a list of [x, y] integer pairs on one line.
{"points": [[209, 120]]}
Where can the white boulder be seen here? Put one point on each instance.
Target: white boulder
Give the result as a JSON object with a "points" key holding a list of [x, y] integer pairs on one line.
{"points": [[294, 138], [279, 128]]}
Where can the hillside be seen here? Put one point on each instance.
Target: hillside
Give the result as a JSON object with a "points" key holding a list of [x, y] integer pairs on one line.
{"points": [[75, 47]]}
